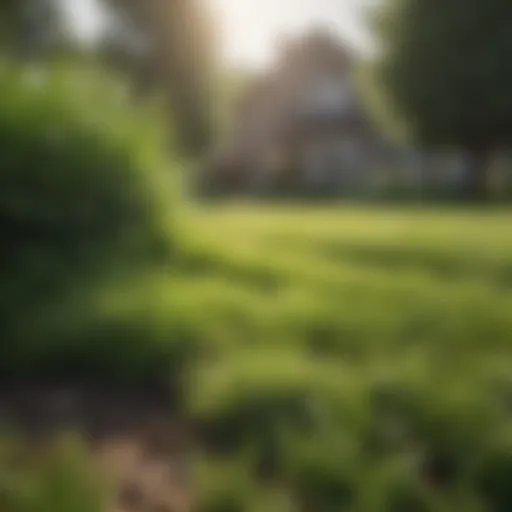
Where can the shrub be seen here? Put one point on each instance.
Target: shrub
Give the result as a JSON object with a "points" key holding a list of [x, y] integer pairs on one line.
{"points": [[83, 195], [80, 171]]}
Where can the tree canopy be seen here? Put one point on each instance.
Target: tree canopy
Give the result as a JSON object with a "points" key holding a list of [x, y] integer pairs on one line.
{"points": [[30, 28], [167, 45], [444, 71], [163, 46]]}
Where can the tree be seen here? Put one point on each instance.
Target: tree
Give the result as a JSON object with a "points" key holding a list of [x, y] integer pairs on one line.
{"points": [[31, 28], [164, 46], [444, 71], [167, 45]]}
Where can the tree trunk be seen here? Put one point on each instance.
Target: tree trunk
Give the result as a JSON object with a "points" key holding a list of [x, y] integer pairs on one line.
{"points": [[476, 175]]}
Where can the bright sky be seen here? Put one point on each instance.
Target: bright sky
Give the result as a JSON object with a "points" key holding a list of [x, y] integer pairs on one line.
{"points": [[250, 29], [85, 16]]}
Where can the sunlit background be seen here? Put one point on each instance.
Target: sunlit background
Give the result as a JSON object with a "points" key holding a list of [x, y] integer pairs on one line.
{"points": [[250, 30]]}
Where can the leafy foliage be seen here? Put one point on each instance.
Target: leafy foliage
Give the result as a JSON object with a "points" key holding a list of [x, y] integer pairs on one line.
{"points": [[83, 194], [443, 77], [443, 69], [173, 55], [31, 28]]}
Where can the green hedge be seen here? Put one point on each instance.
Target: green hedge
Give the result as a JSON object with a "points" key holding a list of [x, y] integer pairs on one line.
{"points": [[84, 196]]}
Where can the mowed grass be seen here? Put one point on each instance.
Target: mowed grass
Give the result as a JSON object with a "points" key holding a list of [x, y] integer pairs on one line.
{"points": [[360, 283], [363, 355], [363, 278]]}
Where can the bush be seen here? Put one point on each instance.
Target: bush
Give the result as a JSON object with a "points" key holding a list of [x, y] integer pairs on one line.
{"points": [[83, 195]]}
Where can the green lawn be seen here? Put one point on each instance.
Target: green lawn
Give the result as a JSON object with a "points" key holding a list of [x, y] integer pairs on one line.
{"points": [[364, 356], [334, 358], [360, 278], [361, 283]]}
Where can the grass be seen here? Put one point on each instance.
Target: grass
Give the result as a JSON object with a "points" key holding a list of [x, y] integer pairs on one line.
{"points": [[334, 357], [367, 278], [59, 477], [370, 286], [362, 354]]}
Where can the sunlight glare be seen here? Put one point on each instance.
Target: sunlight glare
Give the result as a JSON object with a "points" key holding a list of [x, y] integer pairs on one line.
{"points": [[251, 29]]}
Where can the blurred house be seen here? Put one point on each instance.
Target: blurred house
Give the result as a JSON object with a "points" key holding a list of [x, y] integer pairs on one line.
{"points": [[302, 125]]}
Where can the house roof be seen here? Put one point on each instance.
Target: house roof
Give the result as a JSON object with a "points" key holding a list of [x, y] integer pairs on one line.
{"points": [[271, 104], [316, 44], [316, 47]]}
